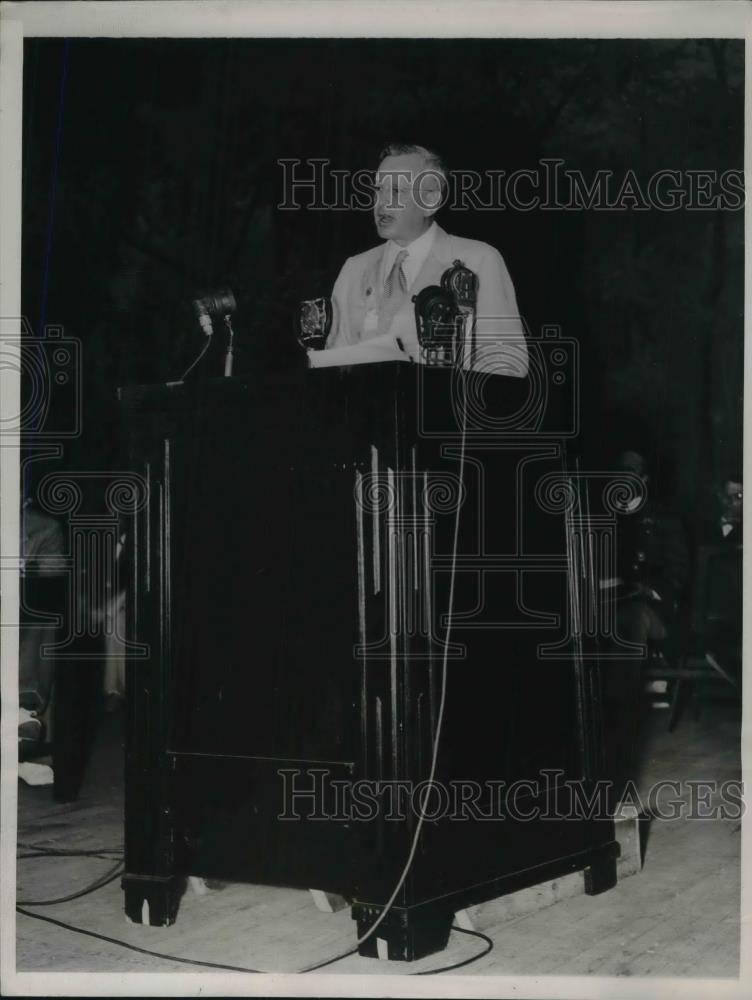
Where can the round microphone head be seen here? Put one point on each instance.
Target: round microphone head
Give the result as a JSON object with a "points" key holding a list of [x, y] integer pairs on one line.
{"points": [[220, 303], [226, 301], [461, 283]]}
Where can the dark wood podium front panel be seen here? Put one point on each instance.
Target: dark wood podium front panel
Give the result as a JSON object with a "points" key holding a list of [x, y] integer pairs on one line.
{"points": [[291, 575]]}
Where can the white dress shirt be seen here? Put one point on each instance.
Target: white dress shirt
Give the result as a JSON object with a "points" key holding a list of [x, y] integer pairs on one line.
{"points": [[417, 251]]}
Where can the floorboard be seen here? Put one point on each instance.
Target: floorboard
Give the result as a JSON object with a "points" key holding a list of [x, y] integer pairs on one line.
{"points": [[678, 917]]}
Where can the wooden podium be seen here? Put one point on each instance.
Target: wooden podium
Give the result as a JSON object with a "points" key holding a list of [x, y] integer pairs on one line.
{"points": [[291, 576]]}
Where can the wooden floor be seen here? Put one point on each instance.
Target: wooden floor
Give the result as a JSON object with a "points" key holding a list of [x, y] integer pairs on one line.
{"points": [[678, 917]]}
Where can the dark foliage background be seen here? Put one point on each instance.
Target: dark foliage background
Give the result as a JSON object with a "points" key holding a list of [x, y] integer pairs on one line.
{"points": [[150, 174]]}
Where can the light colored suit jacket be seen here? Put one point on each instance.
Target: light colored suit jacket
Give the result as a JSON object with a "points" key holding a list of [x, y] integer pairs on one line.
{"points": [[498, 342]]}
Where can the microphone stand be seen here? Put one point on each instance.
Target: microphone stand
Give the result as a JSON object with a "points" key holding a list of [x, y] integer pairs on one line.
{"points": [[462, 284], [467, 335], [228, 352]]}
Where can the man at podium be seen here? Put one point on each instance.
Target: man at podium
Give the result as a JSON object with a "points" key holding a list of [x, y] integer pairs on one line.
{"points": [[373, 298]]}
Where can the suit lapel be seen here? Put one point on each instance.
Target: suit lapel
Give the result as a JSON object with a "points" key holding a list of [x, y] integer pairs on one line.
{"points": [[364, 295], [371, 280]]}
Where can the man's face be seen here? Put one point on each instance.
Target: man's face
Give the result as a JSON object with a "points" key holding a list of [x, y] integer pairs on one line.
{"points": [[732, 500], [397, 214], [633, 462]]}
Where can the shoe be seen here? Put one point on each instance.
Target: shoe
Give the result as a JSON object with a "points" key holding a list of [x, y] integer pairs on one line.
{"points": [[113, 702], [31, 733]]}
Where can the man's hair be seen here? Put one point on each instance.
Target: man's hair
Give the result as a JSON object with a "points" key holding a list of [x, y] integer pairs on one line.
{"points": [[632, 461], [434, 163]]}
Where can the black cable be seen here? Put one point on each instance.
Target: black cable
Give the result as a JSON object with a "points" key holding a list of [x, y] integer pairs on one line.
{"points": [[114, 874], [428, 972], [37, 855], [106, 853], [133, 947], [238, 968], [467, 961], [193, 364], [98, 884], [329, 961], [71, 851], [106, 880]]}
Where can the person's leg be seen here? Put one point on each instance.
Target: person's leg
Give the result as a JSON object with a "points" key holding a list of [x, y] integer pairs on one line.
{"points": [[34, 668], [114, 669], [636, 622]]}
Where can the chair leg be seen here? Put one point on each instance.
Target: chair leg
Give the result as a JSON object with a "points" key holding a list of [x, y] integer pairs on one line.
{"points": [[77, 684], [676, 700], [696, 700]]}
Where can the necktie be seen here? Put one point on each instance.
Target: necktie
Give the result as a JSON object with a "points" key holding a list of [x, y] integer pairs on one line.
{"points": [[396, 282]]}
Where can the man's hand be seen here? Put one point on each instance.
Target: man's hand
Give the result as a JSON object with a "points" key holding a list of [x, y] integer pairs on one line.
{"points": [[377, 349]]}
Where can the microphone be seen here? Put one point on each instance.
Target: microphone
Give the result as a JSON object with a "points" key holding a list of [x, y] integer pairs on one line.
{"points": [[212, 306], [203, 317], [220, 304], [461, 284], [436, 322]]}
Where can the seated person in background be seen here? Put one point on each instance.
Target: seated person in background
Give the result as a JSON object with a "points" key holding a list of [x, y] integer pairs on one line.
{"points": [[724, 526], [718, 573], [373, 311], [652, 563], [114, 625], [42, 564]]}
